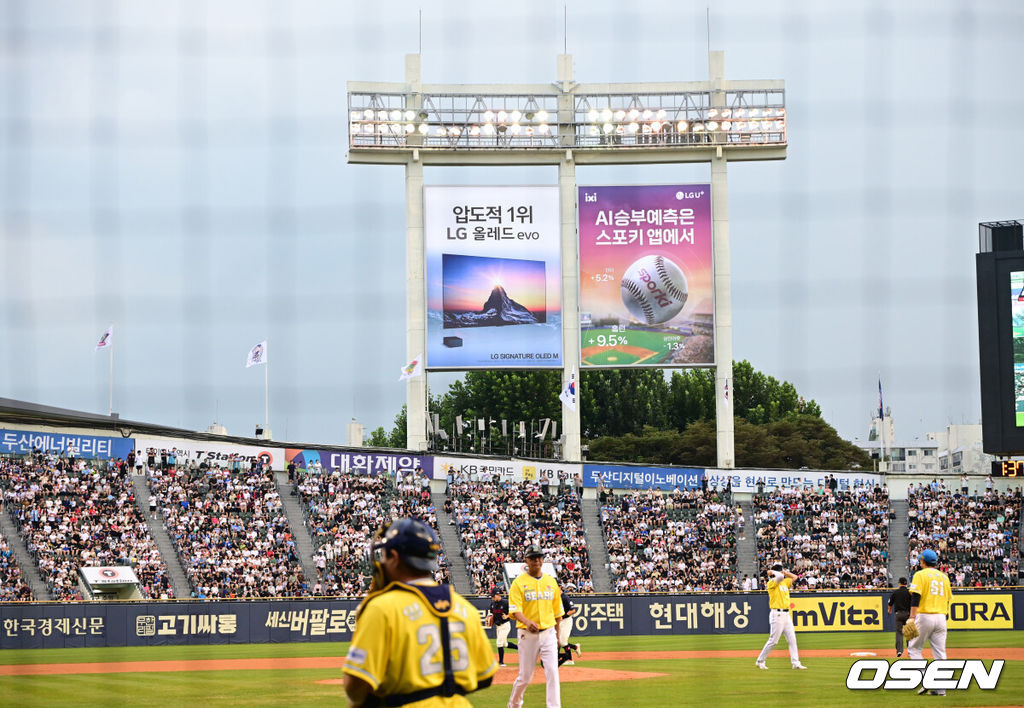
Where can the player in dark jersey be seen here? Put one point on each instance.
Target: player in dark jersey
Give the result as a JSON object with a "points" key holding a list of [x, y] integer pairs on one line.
{"points": [[565, 648], [502, 625]]}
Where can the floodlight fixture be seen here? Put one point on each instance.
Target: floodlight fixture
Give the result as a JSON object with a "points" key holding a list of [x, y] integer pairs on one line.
{"points": [[554, 118]]}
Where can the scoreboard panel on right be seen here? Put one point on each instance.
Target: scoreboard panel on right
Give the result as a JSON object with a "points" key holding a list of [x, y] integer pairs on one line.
{"points": [[1001, 350]]}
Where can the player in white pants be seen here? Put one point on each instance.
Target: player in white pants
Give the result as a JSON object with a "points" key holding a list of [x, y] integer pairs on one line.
{"points": [[930, 598], [543, 644], [565, 649], [499, 619], [779, 621], [535, 600]]}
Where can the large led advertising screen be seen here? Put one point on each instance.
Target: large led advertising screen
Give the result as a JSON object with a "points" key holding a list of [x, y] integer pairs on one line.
{"points": [[1001, 350], [646, 278], [1016, 296], [493, 277]]}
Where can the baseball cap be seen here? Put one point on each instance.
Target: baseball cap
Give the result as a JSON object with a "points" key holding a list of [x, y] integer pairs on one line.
{"points": [[929, 556], [535, 552], [777, 567]]}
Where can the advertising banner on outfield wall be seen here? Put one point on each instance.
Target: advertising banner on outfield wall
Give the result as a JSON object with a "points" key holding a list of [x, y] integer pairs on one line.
{"points": [[119, 624], [981, 611], [212, 453], [646, 277], [493, 277], [746, 480], [90, 447], [630, 477], [504, 470], [368, 463]]}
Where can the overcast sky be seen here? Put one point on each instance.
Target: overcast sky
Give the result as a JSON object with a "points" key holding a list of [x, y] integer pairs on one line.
{"points": [[179, 169]]}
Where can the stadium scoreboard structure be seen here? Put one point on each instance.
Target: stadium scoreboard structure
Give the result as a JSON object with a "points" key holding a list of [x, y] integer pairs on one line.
{"points": [[1000, 273], [562, 124]]}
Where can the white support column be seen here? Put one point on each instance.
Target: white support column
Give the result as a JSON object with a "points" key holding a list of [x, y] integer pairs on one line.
{"points": [[723, 281], [570, 263], [415, 288]]}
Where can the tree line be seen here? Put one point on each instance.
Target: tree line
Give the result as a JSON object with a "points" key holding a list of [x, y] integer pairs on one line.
{"points": [[639, 415]]}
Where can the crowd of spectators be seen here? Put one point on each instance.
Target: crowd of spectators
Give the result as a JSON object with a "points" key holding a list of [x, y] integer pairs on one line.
{"points": [[12, 586], [412, 498], [73, 514], [832, 538], [498, 520], [342, 513], [670, 541], [230, 530], [344, 510], [976, 537]]}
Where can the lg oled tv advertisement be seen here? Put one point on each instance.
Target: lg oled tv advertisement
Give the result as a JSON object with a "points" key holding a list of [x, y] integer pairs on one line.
{"points": [[493, 277]]}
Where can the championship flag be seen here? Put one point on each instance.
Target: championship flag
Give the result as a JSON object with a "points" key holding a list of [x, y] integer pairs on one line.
{"points": [[413, 369], [257, 355], [881, 411], [568, 394], [107, 340]]}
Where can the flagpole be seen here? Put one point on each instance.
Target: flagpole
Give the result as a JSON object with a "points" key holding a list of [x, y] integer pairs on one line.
{"points": [[111, 378], [266, 396]]}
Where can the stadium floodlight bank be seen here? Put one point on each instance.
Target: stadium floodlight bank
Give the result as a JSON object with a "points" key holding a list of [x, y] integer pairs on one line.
{"points": [[612, 120], [565, 123]]}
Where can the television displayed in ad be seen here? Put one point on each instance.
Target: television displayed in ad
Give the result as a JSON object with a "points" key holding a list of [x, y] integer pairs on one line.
{"points": [[479, 291]]}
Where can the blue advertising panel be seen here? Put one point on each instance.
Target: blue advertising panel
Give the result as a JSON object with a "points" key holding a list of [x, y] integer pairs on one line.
{"points": [[90, 447], [631, 477], [119, 624]]}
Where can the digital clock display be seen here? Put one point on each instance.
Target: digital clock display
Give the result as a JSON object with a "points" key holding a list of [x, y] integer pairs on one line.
{"points": [[1008, 468]]}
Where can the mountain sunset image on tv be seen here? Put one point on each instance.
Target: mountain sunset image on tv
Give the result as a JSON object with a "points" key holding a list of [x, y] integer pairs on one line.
{"points": [[478, 291]]}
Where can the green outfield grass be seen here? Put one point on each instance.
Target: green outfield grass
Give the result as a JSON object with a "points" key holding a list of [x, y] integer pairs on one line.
{"points": [[688, 682]]}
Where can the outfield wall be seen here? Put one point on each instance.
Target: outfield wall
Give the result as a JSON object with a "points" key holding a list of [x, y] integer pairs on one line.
{"points": [[118, 624]]}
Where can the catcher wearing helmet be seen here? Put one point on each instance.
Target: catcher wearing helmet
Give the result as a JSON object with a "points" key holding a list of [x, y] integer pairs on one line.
{"points": [[415, 640]]}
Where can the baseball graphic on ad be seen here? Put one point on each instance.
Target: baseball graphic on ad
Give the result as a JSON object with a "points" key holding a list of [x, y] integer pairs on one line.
{"points": [[653, 289]]}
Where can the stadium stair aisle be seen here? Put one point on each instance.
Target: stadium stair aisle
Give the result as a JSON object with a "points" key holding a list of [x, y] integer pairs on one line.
{"points": [[297, 522], [898, 544], [158, 532], [452, 547], [29, 570], [591, 510], [746, 545]]}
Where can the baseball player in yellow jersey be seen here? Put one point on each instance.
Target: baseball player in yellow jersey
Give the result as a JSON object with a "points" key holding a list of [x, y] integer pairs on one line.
{"points": [[930, 597], [416, 643], [779, 620], [536, 602]]}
